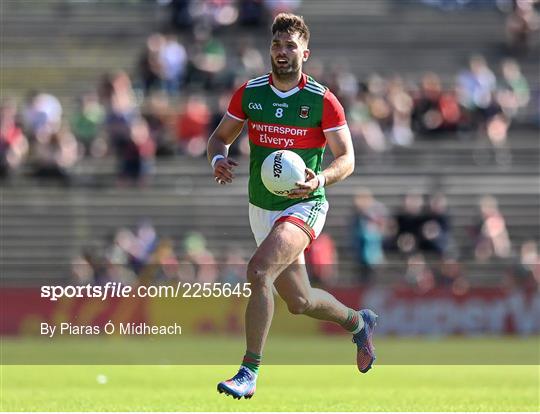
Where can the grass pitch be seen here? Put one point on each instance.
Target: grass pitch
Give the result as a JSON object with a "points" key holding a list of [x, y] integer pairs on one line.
{"points": [[280, 387]]}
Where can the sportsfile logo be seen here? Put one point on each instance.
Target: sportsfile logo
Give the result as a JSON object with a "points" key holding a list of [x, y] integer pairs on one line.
{"points": [[255, 106], [120, 290]]}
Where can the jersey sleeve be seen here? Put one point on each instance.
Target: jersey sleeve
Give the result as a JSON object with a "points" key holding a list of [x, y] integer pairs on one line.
{"points": [[235, 106], [333, 117]]}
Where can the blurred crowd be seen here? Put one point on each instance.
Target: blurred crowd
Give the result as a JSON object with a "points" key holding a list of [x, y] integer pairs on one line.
{"points": [[521, 19], [177, 97], [183, 78], [176, 93], [216, 14], [415, 242], [387, 112], [421, 234], [161, 108], [141, 255], [522, 25]]}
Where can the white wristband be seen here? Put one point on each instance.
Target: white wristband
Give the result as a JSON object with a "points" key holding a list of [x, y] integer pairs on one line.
{"points": [[322, 180], [216, 159]]}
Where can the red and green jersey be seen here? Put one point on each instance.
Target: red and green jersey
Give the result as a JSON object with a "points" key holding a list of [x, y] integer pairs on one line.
{"points": [[295, 120]]}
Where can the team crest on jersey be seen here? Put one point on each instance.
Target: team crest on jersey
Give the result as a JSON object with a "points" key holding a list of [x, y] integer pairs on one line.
{"points": [[304, 112]]}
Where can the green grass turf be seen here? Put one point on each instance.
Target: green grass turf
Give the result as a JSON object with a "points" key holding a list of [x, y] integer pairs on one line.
{"points": [[280, 388], [279, 350], [322, 378]]}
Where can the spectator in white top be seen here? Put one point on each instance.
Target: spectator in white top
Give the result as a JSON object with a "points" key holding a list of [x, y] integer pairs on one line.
{"points": [[42, 114], [476, 85], [173, 58]]}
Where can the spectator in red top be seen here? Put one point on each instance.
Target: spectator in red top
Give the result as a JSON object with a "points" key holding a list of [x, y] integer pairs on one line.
{"points": [[192, 126], [321, 260], [435, 110], [13, 143]]}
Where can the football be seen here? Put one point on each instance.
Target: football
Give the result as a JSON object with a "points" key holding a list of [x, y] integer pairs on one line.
{"points": [[281, 170]]}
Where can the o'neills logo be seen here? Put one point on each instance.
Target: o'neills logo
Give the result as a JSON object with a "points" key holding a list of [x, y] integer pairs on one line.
{"points": [[278, 167]]}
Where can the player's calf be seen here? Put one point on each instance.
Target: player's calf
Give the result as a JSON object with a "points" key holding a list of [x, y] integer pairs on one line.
{"points": [[298, 305]]}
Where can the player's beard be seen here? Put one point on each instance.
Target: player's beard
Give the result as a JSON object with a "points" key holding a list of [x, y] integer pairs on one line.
{"points": [[286, 73]]}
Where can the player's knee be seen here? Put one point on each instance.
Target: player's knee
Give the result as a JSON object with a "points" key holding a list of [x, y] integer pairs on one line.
{"points": [[298, 305], [257, 275]]}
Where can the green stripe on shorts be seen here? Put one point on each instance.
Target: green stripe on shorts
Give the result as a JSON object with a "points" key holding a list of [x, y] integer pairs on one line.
{"points": [[314, 213], [311, 212]]}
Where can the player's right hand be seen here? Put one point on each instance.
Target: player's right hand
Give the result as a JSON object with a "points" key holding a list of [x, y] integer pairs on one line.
{"points": [[223, 170]]}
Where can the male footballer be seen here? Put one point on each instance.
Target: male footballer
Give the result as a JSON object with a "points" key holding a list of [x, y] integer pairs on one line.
{"points": [[285, 226]]}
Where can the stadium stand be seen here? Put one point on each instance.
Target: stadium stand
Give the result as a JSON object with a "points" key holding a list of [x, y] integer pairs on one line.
{"points": [[64, 48]]}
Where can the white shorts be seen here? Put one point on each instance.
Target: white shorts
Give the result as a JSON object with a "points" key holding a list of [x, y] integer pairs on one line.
{"points": [[309, 216]]}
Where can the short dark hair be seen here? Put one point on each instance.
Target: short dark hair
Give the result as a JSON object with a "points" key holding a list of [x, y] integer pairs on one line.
{"points": [[291, 23]]}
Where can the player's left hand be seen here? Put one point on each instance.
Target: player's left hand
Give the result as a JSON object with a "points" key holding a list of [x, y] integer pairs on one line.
{"points": [[305, 188]]}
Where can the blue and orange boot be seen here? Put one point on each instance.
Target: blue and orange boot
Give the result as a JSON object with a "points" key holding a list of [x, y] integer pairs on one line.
{"points": [[365, 354], [243, 384]]}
